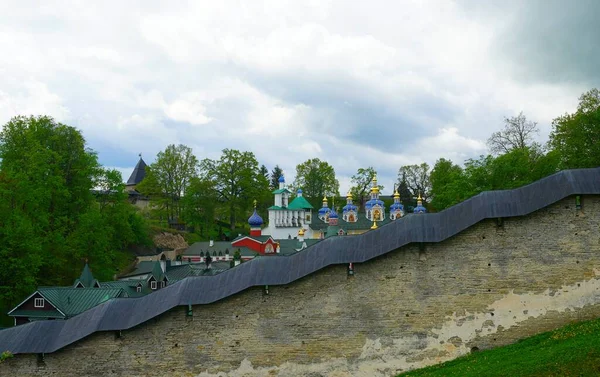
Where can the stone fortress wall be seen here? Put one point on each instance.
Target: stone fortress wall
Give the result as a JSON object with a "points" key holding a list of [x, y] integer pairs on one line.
{"points": [[490, 285]]}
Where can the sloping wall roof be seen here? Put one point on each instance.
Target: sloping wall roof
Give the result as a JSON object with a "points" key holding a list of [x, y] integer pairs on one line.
{"points": [[121, 314]]}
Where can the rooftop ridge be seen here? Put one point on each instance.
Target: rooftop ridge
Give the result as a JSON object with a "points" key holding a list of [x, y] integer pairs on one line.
{"points": [[125, 313]]}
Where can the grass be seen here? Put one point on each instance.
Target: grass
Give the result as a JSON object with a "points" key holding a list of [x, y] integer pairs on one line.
{"points": [[573, 350]]}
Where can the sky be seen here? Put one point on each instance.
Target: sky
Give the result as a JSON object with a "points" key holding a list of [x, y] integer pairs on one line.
{"points": [[357, 84]]}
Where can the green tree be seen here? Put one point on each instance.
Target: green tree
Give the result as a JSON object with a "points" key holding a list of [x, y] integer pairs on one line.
{"points": [[447, 182], [362, 182], [316, 178], [417, 179], [406, 196], [58, 207], [167, 180], [200, 203], [238, 181], [276, 173], [576, 137]]}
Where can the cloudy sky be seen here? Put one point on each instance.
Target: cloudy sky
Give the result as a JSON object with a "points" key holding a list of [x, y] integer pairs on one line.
{"points": [[370, 83]]}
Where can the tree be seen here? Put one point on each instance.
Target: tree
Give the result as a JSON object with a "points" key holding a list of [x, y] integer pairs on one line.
{"points": [[238, 181], [275, 175], [316, 178], [576, 137], [58, 207], [447, 184], [517, 134], [167, 179], [200, 204], [406, 197], [417, 179], [362, 182]]}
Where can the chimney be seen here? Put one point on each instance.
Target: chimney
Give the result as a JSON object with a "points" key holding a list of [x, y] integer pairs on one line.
{"points": [[211, 243]]}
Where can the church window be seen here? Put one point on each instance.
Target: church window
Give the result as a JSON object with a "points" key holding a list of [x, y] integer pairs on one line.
{"points": [[138, 288], [369, 214], [153, 284], [376, 215], [269, 248], [307, 217], [341, 232], [351, 218], [38, 303]]}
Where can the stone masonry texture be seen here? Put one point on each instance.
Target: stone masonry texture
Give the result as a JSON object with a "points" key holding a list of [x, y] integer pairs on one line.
{"points": [[490, 285]]}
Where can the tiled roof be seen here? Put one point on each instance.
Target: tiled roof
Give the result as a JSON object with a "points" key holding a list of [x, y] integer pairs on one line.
{"points": [[122, 314]]}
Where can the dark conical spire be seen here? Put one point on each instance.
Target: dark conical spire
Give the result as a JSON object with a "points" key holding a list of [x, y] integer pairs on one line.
{"points": [[139, 172]]}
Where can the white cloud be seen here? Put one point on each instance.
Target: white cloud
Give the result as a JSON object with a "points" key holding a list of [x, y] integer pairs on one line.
{"points": [[357, 84]]}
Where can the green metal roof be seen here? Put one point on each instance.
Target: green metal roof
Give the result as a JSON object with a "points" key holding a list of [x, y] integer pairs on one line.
{"points": [[300, 203], [129, 286], [86, 278], [73, 301], [276, 207], [37, 313], [157, 271], [281, 191]]}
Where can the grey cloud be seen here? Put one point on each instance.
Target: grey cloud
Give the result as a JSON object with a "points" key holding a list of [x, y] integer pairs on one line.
{"points": [[548, 41]]}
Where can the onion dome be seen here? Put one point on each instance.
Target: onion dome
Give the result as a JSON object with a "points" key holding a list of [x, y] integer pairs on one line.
{"points": [[255, 220], [281, 179], [299, 192], [333, 214], [419, 208], [396, 205], [349, 206], [325, 209], [373, 202]]}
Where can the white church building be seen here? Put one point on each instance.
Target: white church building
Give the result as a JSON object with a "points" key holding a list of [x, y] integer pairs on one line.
{"points": [[285, 218]]}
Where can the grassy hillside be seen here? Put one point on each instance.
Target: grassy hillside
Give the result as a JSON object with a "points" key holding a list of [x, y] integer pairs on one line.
{"points": [[573, 350]]}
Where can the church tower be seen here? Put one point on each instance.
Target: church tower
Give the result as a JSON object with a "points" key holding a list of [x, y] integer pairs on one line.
{"points": [[374, 207]]}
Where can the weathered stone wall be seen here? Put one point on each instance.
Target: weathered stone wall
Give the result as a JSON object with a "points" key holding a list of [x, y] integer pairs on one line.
{"points": [[415, 306]]}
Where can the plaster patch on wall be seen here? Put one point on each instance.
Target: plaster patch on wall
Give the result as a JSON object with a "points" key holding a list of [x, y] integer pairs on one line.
{"points": [[441, 344]]}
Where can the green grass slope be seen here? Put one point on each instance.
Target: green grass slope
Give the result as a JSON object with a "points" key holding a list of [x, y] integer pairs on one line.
{"points": [[573, 350]]}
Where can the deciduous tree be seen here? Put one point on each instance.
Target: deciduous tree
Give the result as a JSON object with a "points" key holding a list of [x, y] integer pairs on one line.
{"points": [[316, 178], [417, 179], [167, 179], [576, 137], [518, 133], [238, 181], [362, 182]]}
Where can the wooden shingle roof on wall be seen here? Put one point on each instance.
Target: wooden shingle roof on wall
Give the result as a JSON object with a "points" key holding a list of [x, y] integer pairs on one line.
{"points": [[122, 314]]}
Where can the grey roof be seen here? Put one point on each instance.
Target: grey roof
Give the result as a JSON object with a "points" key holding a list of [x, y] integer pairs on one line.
{"points": [[125, 313], [218, 246], [138, 174]]}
